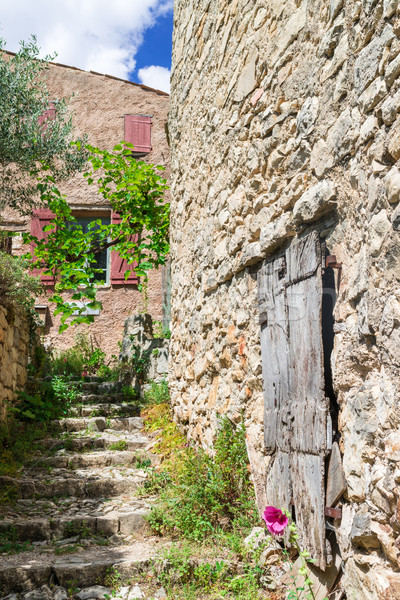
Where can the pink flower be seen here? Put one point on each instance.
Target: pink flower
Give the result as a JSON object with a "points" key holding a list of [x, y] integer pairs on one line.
{"points": [[275, 519]]}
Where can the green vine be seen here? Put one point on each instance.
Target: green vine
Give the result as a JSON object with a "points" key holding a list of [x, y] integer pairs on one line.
{"points": [[135, 191]]}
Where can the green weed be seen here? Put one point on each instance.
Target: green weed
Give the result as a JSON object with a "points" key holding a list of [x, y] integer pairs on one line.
{"points": [[157, 393], [130, 394], [185, 575], [19, 443], [112, 579], [9, 544], [45, 400], [121, 445], [160, 330], [203, 495], [70, 549]]}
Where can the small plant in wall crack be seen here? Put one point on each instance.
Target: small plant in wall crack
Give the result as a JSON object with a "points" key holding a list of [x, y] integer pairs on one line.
{"points": [[140, 360]]}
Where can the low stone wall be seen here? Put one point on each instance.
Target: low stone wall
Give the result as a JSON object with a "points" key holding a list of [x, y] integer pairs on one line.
{"points": [[14, 345], [138, 333]]}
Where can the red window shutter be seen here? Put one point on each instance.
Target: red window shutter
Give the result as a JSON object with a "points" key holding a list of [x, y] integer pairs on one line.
{"points": [[48, 115], [138, 132], [119, 265], [40, 218]]}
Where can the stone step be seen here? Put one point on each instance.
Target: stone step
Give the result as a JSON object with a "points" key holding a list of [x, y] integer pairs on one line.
{"points": [[105, 398], [90, 386], [25, 509], [131, 424], [96, 459], [121, 440], [29, 570], [105, 410], [101, 387], [125, 520], [106, 482]]}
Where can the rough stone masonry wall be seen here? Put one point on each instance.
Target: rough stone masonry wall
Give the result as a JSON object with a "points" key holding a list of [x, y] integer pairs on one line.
{"points": [[285, 117], [14, 346]]}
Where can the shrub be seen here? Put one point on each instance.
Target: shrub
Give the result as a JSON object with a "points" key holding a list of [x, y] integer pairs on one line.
{"points": [[203, 495], [45, 400], [68, 362], [130, 394], [111, 371], [18, 290], [85, 355], [156, 393], [93, 356]]}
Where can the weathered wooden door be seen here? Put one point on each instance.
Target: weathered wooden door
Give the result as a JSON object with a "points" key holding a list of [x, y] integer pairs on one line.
{"points": [[296, 410]]}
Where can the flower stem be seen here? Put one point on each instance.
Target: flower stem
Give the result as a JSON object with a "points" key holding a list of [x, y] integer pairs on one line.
{"points": [[305, 566]]}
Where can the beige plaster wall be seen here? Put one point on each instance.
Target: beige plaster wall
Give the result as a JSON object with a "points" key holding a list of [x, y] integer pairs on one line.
{"points": [[284, 119], [98, 104]]}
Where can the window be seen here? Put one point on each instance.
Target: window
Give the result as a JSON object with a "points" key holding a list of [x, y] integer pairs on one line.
{"points": [[102, 259], [113, 267], [138, 133]]}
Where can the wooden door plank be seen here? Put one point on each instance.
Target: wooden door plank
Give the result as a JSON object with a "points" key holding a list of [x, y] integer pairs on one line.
{"points": [[336, 482], [309, 407], [278, 483], [307, 474], [274, 352], [303, 257]]}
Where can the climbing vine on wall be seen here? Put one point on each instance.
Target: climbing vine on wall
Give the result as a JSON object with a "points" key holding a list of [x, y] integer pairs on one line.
{"points": [[135, 191]]}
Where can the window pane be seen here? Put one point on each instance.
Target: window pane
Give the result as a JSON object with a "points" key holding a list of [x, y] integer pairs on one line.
{"points": [[101, 259]]}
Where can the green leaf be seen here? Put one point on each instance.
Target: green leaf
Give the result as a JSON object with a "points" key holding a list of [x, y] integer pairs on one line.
{"points": [[95, 305]]}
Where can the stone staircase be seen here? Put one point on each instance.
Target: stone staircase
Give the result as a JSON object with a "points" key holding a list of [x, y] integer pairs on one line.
{"points": [[75, 515]]}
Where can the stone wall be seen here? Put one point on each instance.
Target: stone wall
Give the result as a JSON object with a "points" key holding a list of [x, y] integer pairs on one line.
{"points": [[139, 342], [14, 347], [98, 104], [285, 118]]}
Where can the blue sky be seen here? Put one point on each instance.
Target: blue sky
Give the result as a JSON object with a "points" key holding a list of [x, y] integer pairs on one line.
{"points": [[156, 48], [125, 38]]}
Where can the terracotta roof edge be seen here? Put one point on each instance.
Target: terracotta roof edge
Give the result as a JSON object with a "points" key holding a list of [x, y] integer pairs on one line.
{"points": [[146, 88]]}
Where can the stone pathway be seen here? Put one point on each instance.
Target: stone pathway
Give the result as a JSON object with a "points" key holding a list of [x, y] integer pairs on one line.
{"points": [[77, 519]]}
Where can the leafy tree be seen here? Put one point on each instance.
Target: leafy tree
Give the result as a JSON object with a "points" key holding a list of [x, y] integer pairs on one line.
{"points": [[135, 191], [27, 140], [17, 287]]}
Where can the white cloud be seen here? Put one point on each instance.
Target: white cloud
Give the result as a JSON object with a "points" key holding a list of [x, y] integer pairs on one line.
{"points": [[98, 35], [155, 77]]}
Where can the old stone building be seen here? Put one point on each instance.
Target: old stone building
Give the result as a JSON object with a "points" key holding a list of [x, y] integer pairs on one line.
{"points": [[107, 110], [285, 138]]}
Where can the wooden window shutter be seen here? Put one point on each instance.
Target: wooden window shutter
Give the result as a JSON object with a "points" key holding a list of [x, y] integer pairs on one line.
{"points": [[119, 266], [138, 133], [48, 115], [40, 218], [295, 407]]}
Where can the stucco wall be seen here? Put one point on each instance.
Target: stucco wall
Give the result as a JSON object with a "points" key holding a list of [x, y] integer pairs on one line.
{"points": [[284, 119], [14, 348], [98, 104]]}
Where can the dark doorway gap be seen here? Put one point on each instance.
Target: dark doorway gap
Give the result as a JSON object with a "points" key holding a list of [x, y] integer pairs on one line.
{"points": [[328, 304]]}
